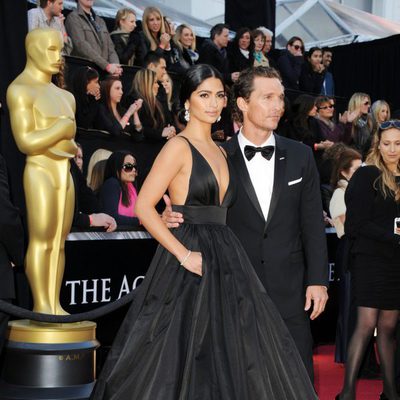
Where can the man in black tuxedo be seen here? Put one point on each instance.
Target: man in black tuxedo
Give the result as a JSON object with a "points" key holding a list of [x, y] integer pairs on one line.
{"points": [[278, 211], [11, 245]]}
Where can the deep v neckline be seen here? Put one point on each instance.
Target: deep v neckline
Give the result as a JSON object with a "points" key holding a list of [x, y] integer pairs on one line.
{"points": [[221, 202]]}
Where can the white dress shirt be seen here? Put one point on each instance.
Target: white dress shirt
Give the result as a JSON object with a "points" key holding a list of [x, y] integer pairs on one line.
{"points": [[261, 172]]}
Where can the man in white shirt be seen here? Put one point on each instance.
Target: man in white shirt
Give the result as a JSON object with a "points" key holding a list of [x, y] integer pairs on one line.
{"points": [[48, 14], [277, 214]]}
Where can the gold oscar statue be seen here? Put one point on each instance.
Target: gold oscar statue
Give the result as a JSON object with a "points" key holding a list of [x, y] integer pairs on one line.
{"points": [[56, 359], [43, 123]]}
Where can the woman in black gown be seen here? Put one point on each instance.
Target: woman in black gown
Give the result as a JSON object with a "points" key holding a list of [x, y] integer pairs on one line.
{"points": [[372, 221], [202, 325]]}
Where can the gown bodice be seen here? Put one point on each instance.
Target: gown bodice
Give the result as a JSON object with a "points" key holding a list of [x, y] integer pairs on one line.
{"points": [[202, 204]]}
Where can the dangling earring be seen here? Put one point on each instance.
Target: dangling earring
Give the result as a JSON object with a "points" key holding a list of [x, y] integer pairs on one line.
{"points": [[187, 115], [219, 118]]}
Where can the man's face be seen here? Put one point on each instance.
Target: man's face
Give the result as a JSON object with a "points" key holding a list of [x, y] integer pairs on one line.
{"points": [[267, 44], [46, 52], [222, 39], [263, 109], [55, 7], [160, 69], [327, 58]]}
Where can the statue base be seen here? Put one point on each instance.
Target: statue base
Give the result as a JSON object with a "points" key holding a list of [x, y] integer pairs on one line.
{"points": [[48, 361]]}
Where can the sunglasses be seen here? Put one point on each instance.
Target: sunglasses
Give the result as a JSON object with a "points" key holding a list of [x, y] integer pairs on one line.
{"points": [[326, 107], [392, 123], [129, 167], [297, 47], [366, 103]]}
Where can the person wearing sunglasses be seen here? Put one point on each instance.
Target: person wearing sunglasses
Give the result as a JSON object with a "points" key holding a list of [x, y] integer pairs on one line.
{"points": [[359, 122], [334, 132], [289, 65], [118, 193], [373, 224]]}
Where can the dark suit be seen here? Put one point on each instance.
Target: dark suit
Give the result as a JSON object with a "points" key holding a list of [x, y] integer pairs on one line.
{"points": [[210, 54], [11, 244], [288, 250]]}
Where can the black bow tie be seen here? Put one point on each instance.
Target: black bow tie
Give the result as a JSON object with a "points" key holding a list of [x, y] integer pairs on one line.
{"points": [[266, 151]]}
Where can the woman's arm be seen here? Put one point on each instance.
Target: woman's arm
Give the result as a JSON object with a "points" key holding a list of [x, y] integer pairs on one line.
{"points": [[169, 164]]}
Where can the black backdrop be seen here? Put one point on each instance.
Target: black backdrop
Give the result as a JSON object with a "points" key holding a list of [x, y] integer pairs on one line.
{"points": [[13, 29], [250, 13], [370, 67]]}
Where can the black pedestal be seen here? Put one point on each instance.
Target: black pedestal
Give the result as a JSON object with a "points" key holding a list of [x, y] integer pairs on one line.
{"points": [[37, 371]]}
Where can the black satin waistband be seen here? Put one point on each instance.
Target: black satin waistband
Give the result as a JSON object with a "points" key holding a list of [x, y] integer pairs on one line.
{"points": [[213, 215]]}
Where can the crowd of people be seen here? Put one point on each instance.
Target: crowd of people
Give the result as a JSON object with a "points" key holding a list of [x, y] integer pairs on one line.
{"points": [[360, 207]]}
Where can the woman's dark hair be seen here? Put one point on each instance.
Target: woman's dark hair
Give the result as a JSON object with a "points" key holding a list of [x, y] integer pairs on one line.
{"points": [[239, 35], [313, 50], [113, 170], [256, 33], [322, 100], [194, 77], [301, 107], [343, 163], [294, 39], [80, 80], [105, 90]]}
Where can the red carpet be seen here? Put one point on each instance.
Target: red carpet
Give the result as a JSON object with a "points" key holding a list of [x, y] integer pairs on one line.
{"points": [[329, 377]]}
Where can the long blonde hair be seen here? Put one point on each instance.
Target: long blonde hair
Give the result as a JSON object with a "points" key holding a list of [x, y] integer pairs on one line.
{"points": [[375, 110], [386, 182], [355, 103], [154, 42], [143, 83], [98, 155], [178, 34]]}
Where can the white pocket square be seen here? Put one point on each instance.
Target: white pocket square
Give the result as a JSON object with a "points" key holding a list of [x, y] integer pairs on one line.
{"points": [[295, 181]]}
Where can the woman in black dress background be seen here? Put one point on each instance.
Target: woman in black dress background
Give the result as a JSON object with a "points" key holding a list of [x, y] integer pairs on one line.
{"points": [[202, 325], [373, 204]]}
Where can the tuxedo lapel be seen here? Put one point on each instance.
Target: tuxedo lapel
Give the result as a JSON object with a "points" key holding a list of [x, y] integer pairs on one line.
{"points": [[279, 178], [233, 150]]}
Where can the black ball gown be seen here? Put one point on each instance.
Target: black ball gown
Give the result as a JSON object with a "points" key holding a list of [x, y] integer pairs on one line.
{"points": [[215, 337]]}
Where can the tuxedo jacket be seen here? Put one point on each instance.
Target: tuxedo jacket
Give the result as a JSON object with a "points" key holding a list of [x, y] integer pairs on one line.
{"points": [[11, 237], [288, 249]]}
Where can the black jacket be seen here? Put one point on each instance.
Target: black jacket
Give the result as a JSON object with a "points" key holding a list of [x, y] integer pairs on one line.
{"points": [[290, 69], [310, 81], [237, 61], [370, 216], [128, 47], [86, 202], [210, 54], [288, 250]]}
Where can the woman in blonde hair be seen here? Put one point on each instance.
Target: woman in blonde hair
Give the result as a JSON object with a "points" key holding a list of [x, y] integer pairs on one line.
{"points": [[184, 49], [125, 38], [156, 125], [154, 36], [373, 223], [380, 112], [360, 122]]}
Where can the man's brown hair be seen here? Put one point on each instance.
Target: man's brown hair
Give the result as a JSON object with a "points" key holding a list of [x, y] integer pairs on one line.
{"points": [[244, 86]]}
